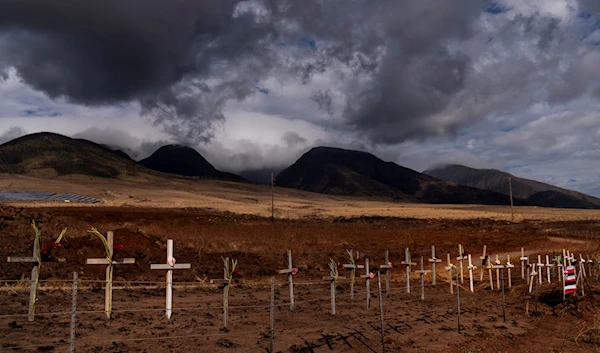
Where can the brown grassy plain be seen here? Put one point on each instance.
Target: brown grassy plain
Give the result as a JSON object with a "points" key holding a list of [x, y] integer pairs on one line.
{"points": [[209, 220]]}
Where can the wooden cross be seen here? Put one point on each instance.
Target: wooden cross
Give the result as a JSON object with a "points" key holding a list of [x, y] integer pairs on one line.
{"points": [[352, 269], [509, 266], [170, 266], [35, 271], [590, 263], [226, 283], [532, 274], [290, 272], [482, 257], [496, 266], [548, 265], [367, 277], [449, 268], [332, 279], [461, 256], [433, 260], [422, 273], [523, 259], [582, 262], [407, 263], [560, 265], [471, 267], [387, 267], [540, 265], [490, 267], [109, 271]]}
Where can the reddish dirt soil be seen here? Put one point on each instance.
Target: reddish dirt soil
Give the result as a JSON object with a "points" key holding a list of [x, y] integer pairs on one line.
{"points": [[202, 238]]}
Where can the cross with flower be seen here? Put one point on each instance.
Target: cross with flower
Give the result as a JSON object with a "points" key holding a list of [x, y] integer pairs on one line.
{"points": [[36, 259], [387, 267], [170, 266], [291, 272], [368, 276], [110, 262]]}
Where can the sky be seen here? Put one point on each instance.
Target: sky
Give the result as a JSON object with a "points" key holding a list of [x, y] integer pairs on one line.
{"points": [[508, 84]]}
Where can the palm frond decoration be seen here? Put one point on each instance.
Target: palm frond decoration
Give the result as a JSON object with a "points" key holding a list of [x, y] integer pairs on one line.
{"points": [[39, 260], [61, 236], [229, 275], [103, 239], [333, 268]]}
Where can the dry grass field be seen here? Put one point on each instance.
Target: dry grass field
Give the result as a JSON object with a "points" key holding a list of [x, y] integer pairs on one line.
{"points": [[209, 220], [149, 191]]}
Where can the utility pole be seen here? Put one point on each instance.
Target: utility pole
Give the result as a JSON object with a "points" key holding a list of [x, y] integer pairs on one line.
{"points": [[512, 212]]}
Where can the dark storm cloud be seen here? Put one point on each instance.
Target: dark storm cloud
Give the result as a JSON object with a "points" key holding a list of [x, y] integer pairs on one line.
{"points": [[401, 47], [400, 69], [107, 52], [293, 139], [323, 99], [590, 6]]}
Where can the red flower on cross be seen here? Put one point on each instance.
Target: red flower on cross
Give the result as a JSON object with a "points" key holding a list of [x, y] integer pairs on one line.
{"points": [[48, 249], [294, 271]]}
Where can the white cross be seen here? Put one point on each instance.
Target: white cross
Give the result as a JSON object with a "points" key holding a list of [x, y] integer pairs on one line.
{"points": [[509, 266], [332, 279], [532, 274], [352, 268], [407, 263], [548, 265], [170, 266], [422, 273], [35, 271], [433, 260], [482, 257], [449, 268], [540, 266], [291, 271], [490, 267], [461, 256], [109, 271], [582, 261], [498, 267], [560, 265], [387, 267], [367, 277], [523, 259], [471, 267]]}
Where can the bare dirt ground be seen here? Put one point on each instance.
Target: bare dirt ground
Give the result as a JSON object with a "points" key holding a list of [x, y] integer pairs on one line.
{"points": [[206, 229]]}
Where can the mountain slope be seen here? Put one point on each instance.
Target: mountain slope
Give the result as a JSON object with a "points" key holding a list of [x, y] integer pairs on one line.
{"points": [[183, 160], [48, 154], [534, 192], [344, 172]]}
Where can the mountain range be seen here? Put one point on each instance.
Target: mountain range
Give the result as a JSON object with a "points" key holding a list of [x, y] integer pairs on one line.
{"points": [[322, 169], [533, 192], [342, 172]]}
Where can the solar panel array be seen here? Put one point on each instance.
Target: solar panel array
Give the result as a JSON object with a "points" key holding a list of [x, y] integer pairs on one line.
{"points": [[25, 195]]}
